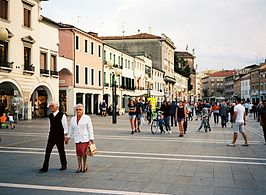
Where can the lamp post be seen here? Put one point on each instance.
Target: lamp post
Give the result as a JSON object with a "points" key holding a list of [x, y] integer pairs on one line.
{"points": [[115, 72], [3, 34]]}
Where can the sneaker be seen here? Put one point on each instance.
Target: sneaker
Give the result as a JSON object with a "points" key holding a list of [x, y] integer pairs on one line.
{"points": [[245, 145], [132, 132], [169, 132], [180, 135], [231, 145]]}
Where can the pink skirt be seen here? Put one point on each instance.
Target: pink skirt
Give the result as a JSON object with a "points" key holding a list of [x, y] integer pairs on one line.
{"points": [[81, 149]]}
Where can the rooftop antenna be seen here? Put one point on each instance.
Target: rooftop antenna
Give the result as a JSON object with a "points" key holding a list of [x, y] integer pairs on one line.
{"points": [[150, 29], [123, 28], [78, 19]]}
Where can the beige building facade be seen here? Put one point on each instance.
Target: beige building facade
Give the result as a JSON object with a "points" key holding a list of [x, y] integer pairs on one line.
{"points": [[28, 64]]}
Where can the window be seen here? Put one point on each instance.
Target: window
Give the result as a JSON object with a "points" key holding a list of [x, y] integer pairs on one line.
{"points": [[53, 63], [92, 76], [128, 64], [92, 45], [114, 58], [104, 54], [100, 78], [3, 53], [77, 42], [104, 78], [27, 57], [110, 56], [77, 73], [119, 60], [27, 15], [86, 75], [43, 61], [99, 51], [86, 46], [4, 9]]}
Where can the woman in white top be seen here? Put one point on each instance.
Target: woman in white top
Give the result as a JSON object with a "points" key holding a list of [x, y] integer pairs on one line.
{"points": [[82, 131]]}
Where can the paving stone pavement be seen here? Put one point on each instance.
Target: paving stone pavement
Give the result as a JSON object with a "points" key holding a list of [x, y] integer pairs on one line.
{"points": [[198, 163]]}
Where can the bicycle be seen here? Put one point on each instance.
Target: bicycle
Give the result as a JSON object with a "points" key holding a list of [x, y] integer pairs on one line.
{"points": [[206, 123], [158, 123]]}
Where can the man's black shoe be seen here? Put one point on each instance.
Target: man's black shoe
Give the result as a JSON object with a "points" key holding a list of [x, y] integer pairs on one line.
{"points": [[42, 170], [63, 168]]}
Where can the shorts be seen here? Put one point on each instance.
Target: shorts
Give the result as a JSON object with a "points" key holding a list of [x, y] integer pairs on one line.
{"points": [[139, 116], [238, 126], [131, 116], [180, 119]]}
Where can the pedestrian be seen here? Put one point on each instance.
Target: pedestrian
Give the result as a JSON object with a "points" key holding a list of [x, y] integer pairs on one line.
{"points": [[139, 112], [149, 111], [231, 111], [239, 120], [81, 130], [205, 119], [173, 111], [132, 115], [186, 115], [57, 135], [223, 113], [180, 116], [215, 109], [103, 108], [165, 108], [262, 118]]}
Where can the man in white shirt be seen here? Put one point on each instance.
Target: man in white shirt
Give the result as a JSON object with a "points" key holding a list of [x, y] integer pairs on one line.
{"points": [[239, 120]]}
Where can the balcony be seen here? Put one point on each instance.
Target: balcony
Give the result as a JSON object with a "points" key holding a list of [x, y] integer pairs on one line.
{"points": [[44, 72], [29, 69], [54, 73], [6, 66], [117, 66]]}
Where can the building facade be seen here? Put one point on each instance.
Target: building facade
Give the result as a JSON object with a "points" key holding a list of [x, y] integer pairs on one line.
{"points": [[28, 64], [160, 48], [82, 82]]}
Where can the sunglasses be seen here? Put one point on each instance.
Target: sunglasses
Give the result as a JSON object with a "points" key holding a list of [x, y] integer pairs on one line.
{"points": [[78, 109], [51, 106]]}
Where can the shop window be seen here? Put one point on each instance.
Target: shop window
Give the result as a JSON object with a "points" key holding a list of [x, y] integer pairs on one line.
{"points": [[4, 9]]}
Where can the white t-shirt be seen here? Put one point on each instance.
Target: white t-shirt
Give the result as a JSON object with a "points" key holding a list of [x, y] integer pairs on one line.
{"points": [[240, 109]]}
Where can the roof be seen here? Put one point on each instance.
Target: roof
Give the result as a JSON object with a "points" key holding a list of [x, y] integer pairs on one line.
{"points": [[224, 73], [137, 36], [184, 54]]}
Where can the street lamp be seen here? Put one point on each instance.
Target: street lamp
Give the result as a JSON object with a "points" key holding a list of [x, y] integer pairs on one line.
{"points": [[115, 72], [3, 34]]}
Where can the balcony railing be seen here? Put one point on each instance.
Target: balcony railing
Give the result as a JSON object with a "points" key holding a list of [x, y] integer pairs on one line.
{"points": [[53, 72], [29, 69], [6, 66], [117, 66], [44, 72]]}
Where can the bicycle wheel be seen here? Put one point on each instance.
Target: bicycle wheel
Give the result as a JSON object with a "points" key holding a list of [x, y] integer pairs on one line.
{"points": [[205, 126], [155, 126]]}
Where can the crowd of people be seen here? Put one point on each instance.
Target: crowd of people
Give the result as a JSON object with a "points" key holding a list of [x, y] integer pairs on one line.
{"points": [[225, 114]]}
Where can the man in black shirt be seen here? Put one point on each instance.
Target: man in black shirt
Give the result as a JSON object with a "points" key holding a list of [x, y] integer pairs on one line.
{"points": [[57, 136], [262, 117]]}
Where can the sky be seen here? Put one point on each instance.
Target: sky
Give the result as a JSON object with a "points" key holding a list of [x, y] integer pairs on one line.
{"points": [[225, 34]]}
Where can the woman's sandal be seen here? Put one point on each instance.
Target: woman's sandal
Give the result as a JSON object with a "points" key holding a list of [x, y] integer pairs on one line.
{"points": [[79, 170], [85, 170]]}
